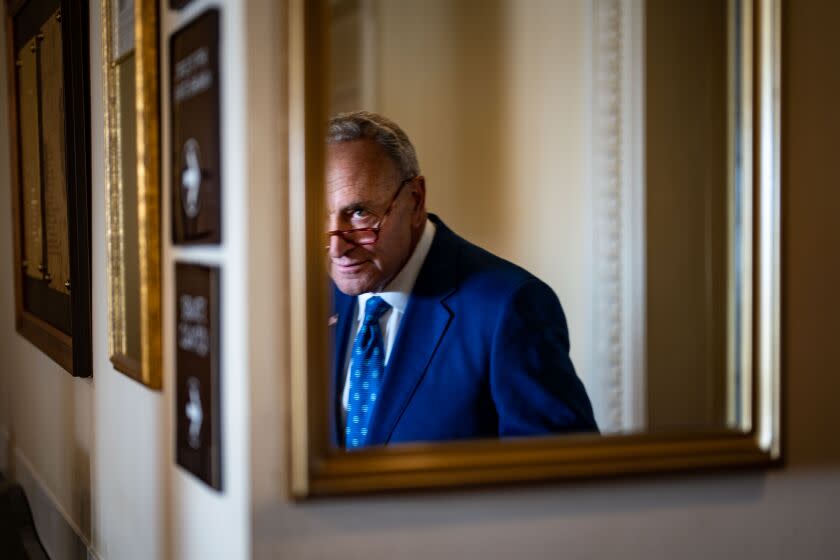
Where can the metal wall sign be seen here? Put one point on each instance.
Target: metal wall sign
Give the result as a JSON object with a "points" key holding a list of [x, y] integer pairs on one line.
{"points": [[197, 371], [196, 150]]}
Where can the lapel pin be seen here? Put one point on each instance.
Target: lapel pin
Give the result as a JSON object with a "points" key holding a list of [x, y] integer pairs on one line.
{"points": [[332, 320]]}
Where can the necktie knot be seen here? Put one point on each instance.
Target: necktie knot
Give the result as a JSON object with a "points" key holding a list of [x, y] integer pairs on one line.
{"points": [[374, 309]]}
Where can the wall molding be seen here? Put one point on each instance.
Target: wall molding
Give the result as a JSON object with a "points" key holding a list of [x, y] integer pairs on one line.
{"points": [[617, 175]]}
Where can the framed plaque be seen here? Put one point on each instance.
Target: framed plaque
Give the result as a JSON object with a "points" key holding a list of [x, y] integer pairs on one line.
{"points": [[49, 116], [196, 151], [197, 362], [132, 171]]}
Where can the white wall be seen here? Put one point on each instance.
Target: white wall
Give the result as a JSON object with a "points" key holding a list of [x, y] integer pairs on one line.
{"points": [[204, 523], [98, 454]]}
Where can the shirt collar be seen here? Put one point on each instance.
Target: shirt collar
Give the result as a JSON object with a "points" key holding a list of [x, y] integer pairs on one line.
{"points": [[398, 290]]}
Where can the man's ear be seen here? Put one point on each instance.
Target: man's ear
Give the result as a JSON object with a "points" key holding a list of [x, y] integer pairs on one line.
{"points": [[418, 195]]}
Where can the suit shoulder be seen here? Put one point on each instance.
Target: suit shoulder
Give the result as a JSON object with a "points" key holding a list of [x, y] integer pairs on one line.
{"points": [[476, 274], [478, 267]]}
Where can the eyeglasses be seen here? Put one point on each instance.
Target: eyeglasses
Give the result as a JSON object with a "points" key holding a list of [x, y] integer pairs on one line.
{"points": [[367, 235]]}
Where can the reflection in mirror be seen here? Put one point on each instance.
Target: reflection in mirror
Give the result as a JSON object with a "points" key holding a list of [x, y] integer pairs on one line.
{"points": [[687, 200], [588, 144]]}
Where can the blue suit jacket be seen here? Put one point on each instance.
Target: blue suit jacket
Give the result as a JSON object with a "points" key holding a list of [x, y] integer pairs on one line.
{"points": [[482, 351]]}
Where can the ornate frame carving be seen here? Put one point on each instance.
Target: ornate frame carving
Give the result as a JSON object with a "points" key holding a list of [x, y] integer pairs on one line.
{"points": [[617, 183]]}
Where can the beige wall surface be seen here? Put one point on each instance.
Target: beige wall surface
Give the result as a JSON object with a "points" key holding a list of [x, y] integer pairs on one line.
{"points": [[686, 213], [777, 514]]}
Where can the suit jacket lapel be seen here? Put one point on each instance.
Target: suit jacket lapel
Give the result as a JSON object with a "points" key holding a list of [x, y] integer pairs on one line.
{"points": [[421, 330], [343, 307]]}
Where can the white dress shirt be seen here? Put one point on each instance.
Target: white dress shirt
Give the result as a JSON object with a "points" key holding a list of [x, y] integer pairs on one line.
{"points": [[396, 294]]}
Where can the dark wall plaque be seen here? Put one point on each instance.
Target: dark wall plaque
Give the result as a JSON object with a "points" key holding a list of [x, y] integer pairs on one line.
{"points": [[197, 371], [196, 150], [49, 110]]}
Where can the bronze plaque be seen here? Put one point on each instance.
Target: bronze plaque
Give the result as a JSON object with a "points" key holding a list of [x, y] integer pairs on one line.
{"points": [[197, 371], [196, 150], [30, 151], [49, 121], [45, 232]]}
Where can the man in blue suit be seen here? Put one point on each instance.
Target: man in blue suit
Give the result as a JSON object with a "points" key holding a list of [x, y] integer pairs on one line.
{"points": [[435, 338]]}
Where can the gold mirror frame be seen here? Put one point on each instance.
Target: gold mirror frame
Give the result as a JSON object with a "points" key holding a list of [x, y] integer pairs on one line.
{"points": [[148, 371], [316, 468]]}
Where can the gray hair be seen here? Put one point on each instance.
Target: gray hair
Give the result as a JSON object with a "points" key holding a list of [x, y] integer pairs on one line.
{"points": [[357, 125]]}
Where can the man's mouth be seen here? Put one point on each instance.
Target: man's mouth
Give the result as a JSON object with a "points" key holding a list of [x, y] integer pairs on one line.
{"points": [[349, 267]]}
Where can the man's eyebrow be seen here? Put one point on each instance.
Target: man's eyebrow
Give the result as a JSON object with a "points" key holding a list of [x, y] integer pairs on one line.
{"points": [[356, 204]]}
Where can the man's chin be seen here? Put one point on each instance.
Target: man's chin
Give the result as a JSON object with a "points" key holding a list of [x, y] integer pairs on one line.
{"points": [[351, 291], [352, 286]]}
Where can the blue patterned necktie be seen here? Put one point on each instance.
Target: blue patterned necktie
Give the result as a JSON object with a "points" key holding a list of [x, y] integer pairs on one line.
{"points": [[367, 366]]}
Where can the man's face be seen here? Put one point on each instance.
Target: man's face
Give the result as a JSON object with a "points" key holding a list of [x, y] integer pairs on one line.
{"points": [[361, 182]]}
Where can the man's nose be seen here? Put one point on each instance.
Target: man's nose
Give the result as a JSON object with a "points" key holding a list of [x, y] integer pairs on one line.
{"points": [[338, 246]]}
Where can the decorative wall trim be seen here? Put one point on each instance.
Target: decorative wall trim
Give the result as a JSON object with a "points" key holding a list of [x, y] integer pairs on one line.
{"points": [[617, 176]]}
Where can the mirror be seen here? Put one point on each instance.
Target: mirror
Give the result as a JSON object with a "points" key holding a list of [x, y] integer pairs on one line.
{"points": [[605, 147], [132, 213]]}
